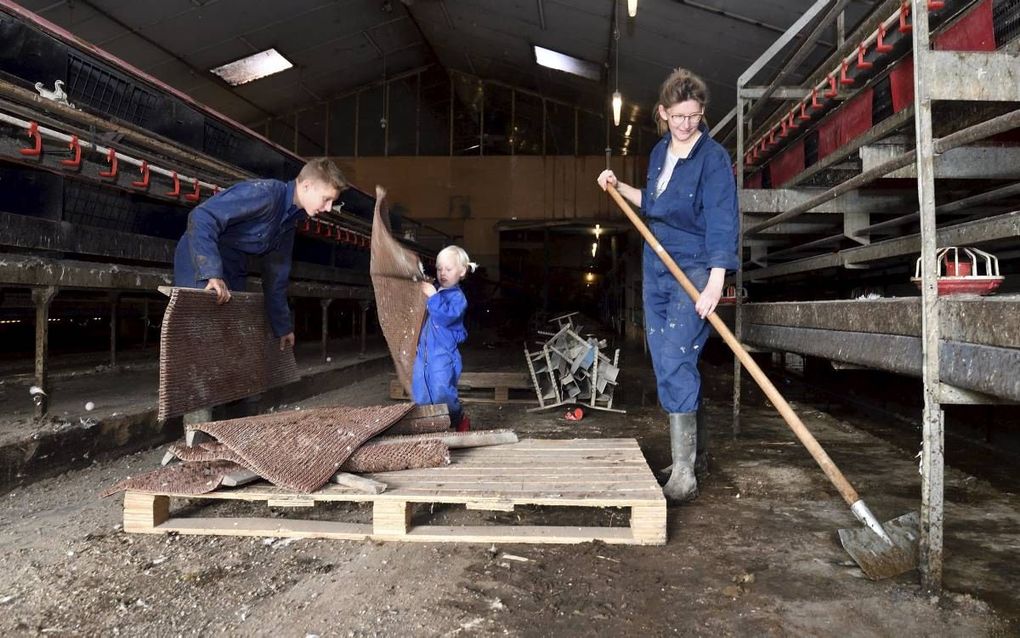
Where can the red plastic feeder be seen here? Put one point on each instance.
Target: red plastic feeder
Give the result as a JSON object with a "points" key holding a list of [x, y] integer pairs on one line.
{"points": [[964, 277], [730, 295]]}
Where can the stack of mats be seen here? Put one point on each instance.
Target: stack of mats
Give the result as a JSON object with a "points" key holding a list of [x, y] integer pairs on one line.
{"points": [[299, 450]]}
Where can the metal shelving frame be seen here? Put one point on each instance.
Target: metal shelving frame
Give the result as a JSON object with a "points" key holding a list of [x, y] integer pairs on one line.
{"points": [[985, 79]]}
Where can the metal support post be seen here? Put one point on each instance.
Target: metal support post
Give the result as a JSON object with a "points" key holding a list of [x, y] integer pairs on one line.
{"points": [[365, 305], [42, 297], [737, 310], [145, 324], [932, 461], [325, 326], [114, 307]]}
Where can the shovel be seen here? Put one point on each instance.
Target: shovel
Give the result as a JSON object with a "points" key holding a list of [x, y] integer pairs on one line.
{"points": [[881, 551]]}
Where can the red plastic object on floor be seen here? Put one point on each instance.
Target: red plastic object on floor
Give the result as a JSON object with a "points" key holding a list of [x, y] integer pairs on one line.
{"points": [[574, 414], [465, 424]]}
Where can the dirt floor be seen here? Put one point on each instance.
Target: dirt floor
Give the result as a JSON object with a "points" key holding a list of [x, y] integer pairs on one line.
{"points": [[756, 554]]}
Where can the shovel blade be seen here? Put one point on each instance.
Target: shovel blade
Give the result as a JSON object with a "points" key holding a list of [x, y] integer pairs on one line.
{"points": [[877, 558]]}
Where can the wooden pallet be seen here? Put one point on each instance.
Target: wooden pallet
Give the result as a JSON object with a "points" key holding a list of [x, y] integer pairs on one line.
{"points": [[578, 473], [480, 387]]}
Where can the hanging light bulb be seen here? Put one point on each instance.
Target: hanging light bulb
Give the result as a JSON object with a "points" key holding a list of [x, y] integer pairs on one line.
{"points": [[632, 8], [617, 107]]}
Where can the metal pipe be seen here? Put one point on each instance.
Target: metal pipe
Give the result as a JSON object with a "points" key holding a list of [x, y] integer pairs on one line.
{"points": [[798, 57], [933, 441], [364, 325], [325, 327], [952, 207], [114, 303], [102, 150]]}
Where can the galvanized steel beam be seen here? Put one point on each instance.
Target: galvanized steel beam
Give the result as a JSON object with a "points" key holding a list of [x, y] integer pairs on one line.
{"points": [[28, 271], [975, 76], [965, 162], [992, 321], [999, 227], [985, 369], [767, 200]]}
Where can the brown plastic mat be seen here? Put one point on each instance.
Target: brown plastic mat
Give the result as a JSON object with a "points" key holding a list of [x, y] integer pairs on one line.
{"points": [[396, 277], [392, 456], [212, 354], [199, 477]]}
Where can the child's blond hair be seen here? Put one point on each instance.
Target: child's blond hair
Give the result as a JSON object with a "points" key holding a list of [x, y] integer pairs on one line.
{"points": [[459, 257]]}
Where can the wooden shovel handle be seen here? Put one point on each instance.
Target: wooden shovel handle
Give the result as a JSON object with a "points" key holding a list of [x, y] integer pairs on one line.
{"points": [[846, 490]]}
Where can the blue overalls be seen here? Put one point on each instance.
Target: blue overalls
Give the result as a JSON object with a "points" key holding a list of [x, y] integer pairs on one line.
{"points": [[696, 220], [256, 217], [437, 365]]}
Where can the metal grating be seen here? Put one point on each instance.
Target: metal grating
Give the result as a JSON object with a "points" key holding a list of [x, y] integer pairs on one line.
{"points": [[881, 100], [111, 95], [302, 449], [219, 142], [90, 205], [1006, 18], [811, 148], [211, 354]]}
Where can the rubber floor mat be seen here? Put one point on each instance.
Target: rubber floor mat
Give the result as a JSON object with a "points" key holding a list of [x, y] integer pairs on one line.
{"points": [[392, 456], [181, 478], [211, 354], [396, 278]]}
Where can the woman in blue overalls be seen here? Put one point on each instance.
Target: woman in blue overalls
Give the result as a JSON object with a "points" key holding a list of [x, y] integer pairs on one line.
{"points": [[690, 203]]}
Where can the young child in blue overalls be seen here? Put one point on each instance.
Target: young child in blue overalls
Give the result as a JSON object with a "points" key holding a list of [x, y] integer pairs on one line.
{"points": [[437, 366]]}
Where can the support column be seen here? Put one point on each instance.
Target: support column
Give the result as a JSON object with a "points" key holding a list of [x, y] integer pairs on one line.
{"points": [[545, 269], [325, 326], [932, 459], [365, 305], [145, 324], [42, 297], [737, 309], [114, 306]]}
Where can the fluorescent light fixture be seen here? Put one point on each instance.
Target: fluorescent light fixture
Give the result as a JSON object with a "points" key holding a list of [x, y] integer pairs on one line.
{"points": [[568, 64], [617, 107], [632, 8], [253, 67]]}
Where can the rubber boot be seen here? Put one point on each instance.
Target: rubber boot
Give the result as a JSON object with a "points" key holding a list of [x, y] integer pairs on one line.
{"points": [[682, 486], [701, 458]]}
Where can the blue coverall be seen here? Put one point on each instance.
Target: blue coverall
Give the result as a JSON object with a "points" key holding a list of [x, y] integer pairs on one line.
{"points": [[696, 220], [256, 217], [437, 365]]}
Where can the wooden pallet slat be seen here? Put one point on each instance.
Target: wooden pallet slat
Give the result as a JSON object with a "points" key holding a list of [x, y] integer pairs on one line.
{"points": [[579, 473]]}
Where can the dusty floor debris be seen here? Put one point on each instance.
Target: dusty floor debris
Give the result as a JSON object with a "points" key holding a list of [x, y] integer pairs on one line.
{"points": [[756, 554]]}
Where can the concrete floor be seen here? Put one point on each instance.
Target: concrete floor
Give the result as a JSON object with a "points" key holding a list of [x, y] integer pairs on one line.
{"points": [[756, 554]]}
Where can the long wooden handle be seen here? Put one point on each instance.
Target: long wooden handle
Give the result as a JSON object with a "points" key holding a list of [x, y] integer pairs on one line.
{"points": [[846, 490]]}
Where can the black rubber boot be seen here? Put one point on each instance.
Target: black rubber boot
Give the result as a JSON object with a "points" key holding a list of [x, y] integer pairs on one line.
{"points": [[682, 485]]}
